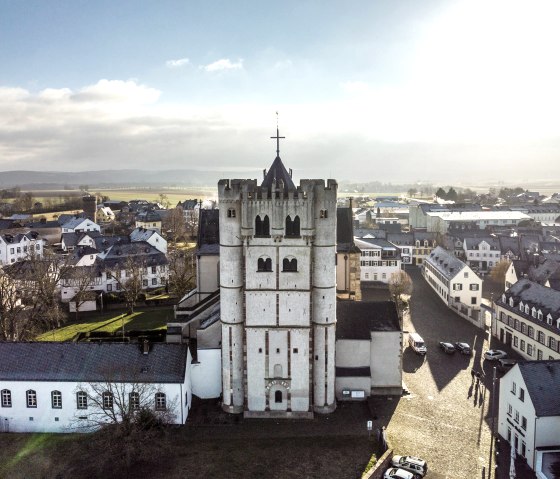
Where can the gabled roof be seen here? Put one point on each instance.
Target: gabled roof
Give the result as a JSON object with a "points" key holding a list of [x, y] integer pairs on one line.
{"points": [[472, 242], [445, 262], [368, 243], [103, 243], [401, 239], [542, 379], [536, 295], [74, 222], [90, 362], [188, 204], [139, 252], [142, 234], [73, 238], [278, 176]]}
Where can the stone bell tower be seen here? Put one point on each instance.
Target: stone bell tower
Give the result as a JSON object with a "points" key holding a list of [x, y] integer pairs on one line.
{"points": [[278, 294]]}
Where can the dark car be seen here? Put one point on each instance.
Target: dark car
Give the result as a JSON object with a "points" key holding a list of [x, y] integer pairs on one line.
{"points": [[463, 348], [447, 347]]}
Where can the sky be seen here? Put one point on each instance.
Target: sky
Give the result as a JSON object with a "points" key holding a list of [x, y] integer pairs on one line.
{"points": [[387, 90]]}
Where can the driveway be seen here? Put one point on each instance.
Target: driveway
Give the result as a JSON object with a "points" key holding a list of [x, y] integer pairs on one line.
{"points": [[446, 418]]}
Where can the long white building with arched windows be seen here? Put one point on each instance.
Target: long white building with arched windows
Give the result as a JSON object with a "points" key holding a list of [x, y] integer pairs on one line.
{"points": [[278, 294]]}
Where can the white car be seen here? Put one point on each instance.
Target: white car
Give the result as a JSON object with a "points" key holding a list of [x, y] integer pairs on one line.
{"points": [[494, 354], [396, 473], [417, 466]]}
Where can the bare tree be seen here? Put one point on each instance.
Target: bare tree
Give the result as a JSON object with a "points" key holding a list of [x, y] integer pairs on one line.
{"points": [[498, 273], [127, 415], [131, 283], [181, 271], [164, 200], [81, 279], [174, 224], [15, 322], [400, 285]]}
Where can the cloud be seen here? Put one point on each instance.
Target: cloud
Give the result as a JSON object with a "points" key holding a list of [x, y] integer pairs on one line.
{"points": [[117, 91], [180, 62], [223, 64]]}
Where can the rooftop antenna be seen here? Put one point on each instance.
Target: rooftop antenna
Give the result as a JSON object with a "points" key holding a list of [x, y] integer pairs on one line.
{"points": [[278, 138]]}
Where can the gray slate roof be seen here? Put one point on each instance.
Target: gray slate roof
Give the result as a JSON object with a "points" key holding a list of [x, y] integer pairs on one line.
{"points": [[542, 379], [536, 295], [445, 262], [277, 175], [357, 319], [91, 362]]}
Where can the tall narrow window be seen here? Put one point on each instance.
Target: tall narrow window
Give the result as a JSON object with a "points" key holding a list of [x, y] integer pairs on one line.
{"points": [[107, 400], [56, 399], [266, 226], [134, 401], [81, 400], [296, 226], [260, 264], [268, 264], [160, 402], [6, 396], [31, 397], [278, 397], [258, 226]]}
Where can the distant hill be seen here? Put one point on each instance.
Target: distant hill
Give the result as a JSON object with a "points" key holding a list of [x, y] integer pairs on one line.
{"points": [[115, 178]]}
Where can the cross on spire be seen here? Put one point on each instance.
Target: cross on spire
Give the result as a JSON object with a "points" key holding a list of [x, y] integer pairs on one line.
{"points": [[278, 138]]}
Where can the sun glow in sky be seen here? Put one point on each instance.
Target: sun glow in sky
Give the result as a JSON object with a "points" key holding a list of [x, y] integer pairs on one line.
{"points": [[392, 91]]}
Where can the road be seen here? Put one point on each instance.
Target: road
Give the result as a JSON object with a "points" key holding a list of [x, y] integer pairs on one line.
{"points": [[446, 417]]}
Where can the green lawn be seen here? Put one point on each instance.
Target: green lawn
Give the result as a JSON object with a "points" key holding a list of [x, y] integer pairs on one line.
{"points": [[146, 319]]}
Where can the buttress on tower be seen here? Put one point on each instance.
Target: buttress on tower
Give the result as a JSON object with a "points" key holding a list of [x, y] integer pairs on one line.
{"points": [[278, 294]]}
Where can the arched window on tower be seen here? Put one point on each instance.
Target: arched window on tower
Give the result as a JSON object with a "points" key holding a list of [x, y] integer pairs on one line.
{"points": [[289, 264], [262, 226], [278, 397], [292, 226], [264, 264]]}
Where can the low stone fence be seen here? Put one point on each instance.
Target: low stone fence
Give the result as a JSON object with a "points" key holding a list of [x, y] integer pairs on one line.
{"points": [[379, 468], [472, 315]]}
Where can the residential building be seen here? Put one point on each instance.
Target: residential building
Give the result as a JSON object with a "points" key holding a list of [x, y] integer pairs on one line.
{"points": [[405, 243], [148, 220], [529, 412], [79, 223], [379, 259], [105, 214], [54, 387], [527, 318], [481, 253], [20, 246], [70, 241], [278, 294], [455, 283], [151, 237]]}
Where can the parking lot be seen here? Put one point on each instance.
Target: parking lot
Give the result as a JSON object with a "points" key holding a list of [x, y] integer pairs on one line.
{"points": [[447, 416]]}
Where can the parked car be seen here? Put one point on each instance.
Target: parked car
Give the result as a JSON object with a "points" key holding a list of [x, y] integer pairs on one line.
{"points": [[463, 348], [396, 473], [447, 347], [494, 354], [506, 364], [416, 342], [413, 464]]}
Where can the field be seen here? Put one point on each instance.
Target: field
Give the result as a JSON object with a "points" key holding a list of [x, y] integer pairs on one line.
{"points": [[140, 320]]}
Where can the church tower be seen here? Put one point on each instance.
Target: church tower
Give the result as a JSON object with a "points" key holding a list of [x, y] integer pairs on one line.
{"points": [[278, 294]]}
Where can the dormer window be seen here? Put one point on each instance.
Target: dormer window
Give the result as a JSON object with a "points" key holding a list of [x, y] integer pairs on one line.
{"points": [[527, 309], [534, 312], [521, 306], [503, 298], [511, 302], [539, 315]]}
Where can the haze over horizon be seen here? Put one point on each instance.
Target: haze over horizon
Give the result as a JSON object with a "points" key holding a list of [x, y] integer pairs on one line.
{"points": [[443, 91]]}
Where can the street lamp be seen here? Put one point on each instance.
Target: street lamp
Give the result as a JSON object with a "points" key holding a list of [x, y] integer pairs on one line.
{"points": [[493, 432]]}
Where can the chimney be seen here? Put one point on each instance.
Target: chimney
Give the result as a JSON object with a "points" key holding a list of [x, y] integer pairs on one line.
{"points": [[264, 173], [145, 346]]}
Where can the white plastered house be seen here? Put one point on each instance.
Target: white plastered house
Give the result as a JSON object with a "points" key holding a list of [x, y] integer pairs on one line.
{"points": [[47, 387]]}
